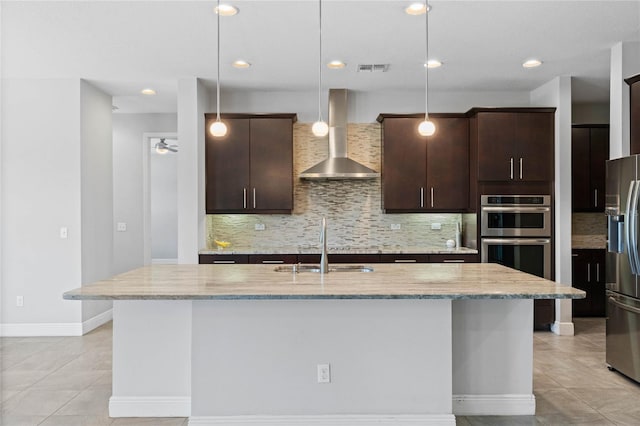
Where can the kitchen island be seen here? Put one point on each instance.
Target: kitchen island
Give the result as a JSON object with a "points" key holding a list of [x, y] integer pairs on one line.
{"points": [[242, 344]]}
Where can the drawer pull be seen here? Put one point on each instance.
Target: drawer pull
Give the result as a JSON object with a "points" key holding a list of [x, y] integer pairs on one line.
{"points": [[405, 261], [453, 261], [224, 261], [273, 261]]}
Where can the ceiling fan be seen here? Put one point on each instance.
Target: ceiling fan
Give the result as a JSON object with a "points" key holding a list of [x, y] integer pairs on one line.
{"points": [[162, 147]]}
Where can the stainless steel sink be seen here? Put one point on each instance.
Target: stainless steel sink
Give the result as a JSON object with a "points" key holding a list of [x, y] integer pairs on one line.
{"points": [[296, 268]]}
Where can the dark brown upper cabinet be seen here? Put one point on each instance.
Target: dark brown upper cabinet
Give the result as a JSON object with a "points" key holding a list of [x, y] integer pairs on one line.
{"points": [[514, 145], [634, 113], [589, 154], [250, 170], [421, 174]]}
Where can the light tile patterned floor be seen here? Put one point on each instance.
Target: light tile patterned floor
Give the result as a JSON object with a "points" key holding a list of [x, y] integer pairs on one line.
{"points": [[66, 381]]}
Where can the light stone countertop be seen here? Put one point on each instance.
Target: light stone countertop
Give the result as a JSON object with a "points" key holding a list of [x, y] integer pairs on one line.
{"points": [[341, 250], [388, 281]]}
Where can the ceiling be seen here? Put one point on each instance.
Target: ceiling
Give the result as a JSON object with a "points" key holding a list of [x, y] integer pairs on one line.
{"points": [[124, 46]]}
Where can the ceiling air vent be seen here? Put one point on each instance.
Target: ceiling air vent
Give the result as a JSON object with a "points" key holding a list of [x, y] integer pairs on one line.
{"points": [[373, 67]]}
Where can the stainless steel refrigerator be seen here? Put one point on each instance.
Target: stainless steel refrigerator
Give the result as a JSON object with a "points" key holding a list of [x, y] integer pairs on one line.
{"points": [[623, 266]]}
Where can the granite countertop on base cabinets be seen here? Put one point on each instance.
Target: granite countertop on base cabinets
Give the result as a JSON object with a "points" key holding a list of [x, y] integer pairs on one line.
{"points": [[263, 282], [588, 241], [341, 250]]}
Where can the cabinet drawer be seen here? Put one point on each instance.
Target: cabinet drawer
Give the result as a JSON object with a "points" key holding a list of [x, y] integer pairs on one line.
{"points": [[273, 258], [453, 258], [404, 258], [354, 258], [223, 258]]}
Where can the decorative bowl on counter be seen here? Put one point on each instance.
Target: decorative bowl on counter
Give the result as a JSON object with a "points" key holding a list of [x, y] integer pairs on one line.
{"points": [[222, 244]]}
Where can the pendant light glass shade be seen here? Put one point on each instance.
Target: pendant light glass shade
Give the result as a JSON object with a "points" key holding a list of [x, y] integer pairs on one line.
{"points": [[426, 127], [320, 128], [218, 129]]}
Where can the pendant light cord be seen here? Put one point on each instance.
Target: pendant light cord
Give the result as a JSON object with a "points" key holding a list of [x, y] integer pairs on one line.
{"points": [[426, 62], [218, 65], [319, 60]]}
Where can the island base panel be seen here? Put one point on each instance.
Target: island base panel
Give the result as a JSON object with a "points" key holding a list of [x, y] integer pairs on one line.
{"points": [[151, 359], [260, 358], [493, 357]]}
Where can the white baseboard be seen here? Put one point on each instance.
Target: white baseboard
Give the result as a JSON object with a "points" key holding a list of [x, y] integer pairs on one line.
{"points": [[97, 321], [150, 406], [562, 328], [327, 420], [494, 405], [52, 329], [164, 261]]}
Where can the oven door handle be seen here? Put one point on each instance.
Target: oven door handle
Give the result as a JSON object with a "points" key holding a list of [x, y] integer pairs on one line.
{"points": [[516, 241], [515, 209]]}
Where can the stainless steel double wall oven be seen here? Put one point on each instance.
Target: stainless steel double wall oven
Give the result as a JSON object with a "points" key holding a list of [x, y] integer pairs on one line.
{"points": [[516, 232]]}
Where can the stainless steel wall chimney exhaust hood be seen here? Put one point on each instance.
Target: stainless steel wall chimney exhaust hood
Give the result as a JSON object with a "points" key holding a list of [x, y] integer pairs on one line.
{"points": [[338, 165]]}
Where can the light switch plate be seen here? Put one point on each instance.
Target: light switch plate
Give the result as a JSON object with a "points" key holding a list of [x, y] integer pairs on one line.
{"points": [[396, 226], [436, 226], [122, 227], [64, 232], [260, 227]]}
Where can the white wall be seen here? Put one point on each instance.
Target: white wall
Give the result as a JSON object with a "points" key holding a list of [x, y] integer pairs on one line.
{"points": [[40, 194], [164, 202], [364, 107], [625, 63], [193, 102], [557, 93], [96, 180], [128, 140]]}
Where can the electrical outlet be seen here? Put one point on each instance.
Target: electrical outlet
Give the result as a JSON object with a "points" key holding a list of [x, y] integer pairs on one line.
{"points": [[324, 373], [396, 226], [436, 226], [63, 233], [260, 227], [122, 227], [20, 301]]}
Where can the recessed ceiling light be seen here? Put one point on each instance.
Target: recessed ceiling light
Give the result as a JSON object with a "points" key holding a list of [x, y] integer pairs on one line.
{"points": [[532, 63], [433, 63], [336, 65], [417, 9], [148, 91], [226, 10], [241, 64]]}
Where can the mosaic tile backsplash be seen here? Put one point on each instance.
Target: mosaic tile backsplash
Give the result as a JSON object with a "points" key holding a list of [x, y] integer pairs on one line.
{"points": [[352, 207]]}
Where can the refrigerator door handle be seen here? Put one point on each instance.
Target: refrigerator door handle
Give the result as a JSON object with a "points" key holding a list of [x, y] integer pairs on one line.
{"points": [[621, 305], [634, 224], [630, 227]]}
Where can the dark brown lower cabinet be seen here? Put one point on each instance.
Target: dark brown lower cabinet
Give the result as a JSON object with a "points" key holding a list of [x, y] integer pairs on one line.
{"points": [[544, 313], [223, 258], [587, 267], [454, 258]]}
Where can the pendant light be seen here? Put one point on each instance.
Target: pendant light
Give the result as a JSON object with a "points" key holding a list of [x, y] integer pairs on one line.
{"points": [[320, 127], [426, 127], [218, 129]]}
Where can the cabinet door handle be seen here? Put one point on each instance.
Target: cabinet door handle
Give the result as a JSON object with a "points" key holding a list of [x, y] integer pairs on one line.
{"points": [[588, 272], [244, 198], [595, 197], [224, 261], [511, 168], [254, 198], [432, 193], [520, 168], [273, 261], [597, 272], [405, 261], [453, 261], [421, 197], [574, 255]]}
